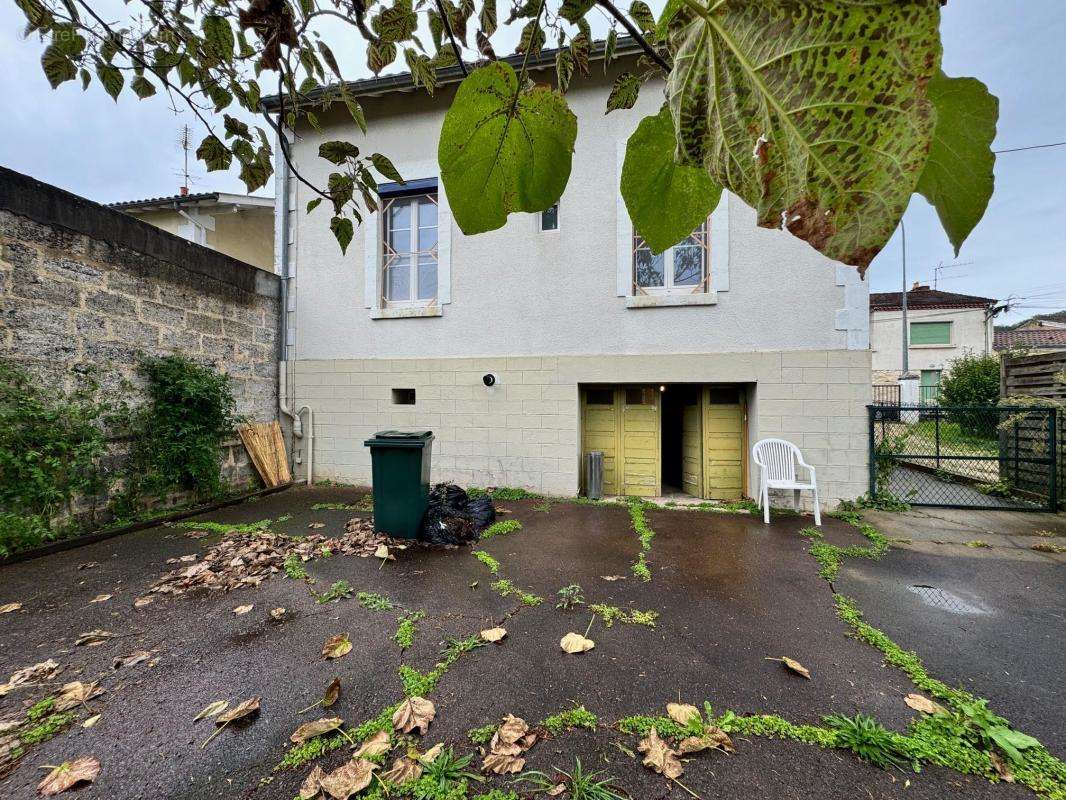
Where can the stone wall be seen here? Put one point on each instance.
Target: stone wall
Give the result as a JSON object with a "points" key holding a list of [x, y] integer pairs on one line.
{"points": [[85, 288]]}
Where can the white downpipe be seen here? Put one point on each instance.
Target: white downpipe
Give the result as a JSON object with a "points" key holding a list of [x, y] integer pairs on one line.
{"points": [[297, 420]]}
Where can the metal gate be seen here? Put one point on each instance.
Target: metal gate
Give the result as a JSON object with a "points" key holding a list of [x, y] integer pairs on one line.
{"points": [[981, 457]]}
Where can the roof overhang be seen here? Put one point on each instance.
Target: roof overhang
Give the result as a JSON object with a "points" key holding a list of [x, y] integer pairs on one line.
{"points": [[219, 202]]}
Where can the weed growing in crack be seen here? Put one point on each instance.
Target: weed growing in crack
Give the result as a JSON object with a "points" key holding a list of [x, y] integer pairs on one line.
{"points": [[294, 567], [612, 614], [504, 588], [482, 735], [868, 739], [645, 533], [578, 717], [831, 557], [570, 597], [375, 601], [504, 526], [340, 590], [580, 784], [407, 628], [490, 562]]}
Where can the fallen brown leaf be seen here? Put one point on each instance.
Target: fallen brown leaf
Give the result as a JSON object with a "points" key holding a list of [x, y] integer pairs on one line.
{"points": [[377, 745], [681, 713], [503, 764], [141, 602], [659, 757], [713, 738], [101, 598], [414, 713], [383, 553], [93, 638], [76, 693], [333, 691], [239, 711], [348, 779], [277, 613], [1001, 766], [7, 608], [309, 730], [613, 578], [576, 643], [511, 740], [68, 774], [312, 784], [493, 634], [134, 658], [42, 671], [337, 646], [793, 665], [556, 790], [212, 710], [91, 721], [511, 731], [924, 704], [239, 610], [403, 770], [317, 525]]}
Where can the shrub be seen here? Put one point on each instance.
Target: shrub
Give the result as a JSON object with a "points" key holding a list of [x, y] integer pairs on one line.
{"points": [[972, 380]]}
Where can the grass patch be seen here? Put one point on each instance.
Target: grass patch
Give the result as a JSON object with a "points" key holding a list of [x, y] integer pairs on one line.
{"points": [[363, 504], [504, 493], [504, 588], [490, 562], [294, 568], [501, 528], [420, 684], [482, 735], [612, 614], [227, 528], [831, 557]]}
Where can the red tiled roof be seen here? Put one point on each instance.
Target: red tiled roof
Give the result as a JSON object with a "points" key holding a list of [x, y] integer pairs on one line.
{"points": [[924, 297], [1036, 338]]}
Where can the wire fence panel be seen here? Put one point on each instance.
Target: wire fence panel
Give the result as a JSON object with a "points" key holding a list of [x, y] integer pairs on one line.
{"points": [[987, 457]]}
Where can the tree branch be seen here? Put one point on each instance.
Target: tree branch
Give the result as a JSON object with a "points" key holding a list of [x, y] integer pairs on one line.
{"points": [[451, 37], [637, 36]]}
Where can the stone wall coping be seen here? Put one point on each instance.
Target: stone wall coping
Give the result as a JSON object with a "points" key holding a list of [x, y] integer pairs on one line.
{"points": [[49, 205]]}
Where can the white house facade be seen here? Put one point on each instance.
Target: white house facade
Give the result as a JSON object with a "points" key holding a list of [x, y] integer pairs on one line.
{"points": [[942, 326], [671, 365]]}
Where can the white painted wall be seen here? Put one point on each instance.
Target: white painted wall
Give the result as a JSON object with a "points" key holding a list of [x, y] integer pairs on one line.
{"points": [[517, 291], [970, 331]]}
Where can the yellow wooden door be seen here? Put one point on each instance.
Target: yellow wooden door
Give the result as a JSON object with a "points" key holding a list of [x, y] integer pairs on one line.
{"points": [[601, 430], [640, 441], [723, 443], [692, 447]]}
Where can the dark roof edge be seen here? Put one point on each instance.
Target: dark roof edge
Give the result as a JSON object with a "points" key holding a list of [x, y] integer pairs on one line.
{"points": [[178, 199], [401, 81], [49, 205]]}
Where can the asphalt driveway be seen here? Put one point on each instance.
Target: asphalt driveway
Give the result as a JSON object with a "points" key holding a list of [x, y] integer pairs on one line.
{"points": [[730, 591]]}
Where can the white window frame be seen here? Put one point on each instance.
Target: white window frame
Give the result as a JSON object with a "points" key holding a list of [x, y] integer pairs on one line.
{"points": [[718, 258], [372, 231], [700, 287], [412, 302]]}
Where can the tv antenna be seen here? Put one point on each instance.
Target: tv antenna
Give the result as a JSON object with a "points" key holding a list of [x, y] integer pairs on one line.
{"points": [[942, 266], [185, 143]]}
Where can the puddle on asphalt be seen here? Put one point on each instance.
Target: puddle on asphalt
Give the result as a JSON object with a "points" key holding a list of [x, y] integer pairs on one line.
{"points": [[946, 601]]}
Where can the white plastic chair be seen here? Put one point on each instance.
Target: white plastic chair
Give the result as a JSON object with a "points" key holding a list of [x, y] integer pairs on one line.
{"points": [[777, 460]]}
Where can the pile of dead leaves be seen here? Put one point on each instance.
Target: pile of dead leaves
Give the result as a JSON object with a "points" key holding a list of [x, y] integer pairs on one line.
{"points": [[664, 756], [413, 714], [248, 559], [508, 747]]}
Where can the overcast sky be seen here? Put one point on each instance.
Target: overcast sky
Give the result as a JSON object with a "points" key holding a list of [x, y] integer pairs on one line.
{"points": [[87, 143]]}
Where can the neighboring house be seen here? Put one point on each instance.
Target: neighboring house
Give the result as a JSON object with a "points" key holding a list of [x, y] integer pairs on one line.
{"points": [[1034, 335], [524, 348], [943, 326], [239, 225]]}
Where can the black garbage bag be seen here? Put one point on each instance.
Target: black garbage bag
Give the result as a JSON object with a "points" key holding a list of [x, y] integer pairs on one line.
{"points": [[452, 518]]}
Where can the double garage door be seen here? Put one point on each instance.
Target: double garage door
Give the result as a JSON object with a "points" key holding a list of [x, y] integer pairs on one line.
{"points": [[704, 429]]}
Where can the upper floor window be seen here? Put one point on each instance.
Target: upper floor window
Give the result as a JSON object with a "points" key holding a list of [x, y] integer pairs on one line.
{"points": [[409, 250], [683, 268], [930, 333], [549, 218]]}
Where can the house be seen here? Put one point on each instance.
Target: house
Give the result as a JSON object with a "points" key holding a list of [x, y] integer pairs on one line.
{"points": [[942, 327], [525, 348], [239, 225], [1035, 335]]}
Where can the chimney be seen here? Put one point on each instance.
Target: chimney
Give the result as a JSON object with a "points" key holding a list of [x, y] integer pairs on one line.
{"points": [[919, 287], [184, 191]]}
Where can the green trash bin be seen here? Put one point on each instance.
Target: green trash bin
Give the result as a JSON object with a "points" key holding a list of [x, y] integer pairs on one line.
{"points": [[400, 471]]}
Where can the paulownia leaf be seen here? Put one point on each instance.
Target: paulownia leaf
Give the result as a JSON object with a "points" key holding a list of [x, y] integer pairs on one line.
{"points": [[348, 779], [658, 756], [666, 200], [309, 730], [576, 643], [339, 645], [414, 713], [814, 113], [682, 713], [503, 148], [958, 179], [68, 774]]}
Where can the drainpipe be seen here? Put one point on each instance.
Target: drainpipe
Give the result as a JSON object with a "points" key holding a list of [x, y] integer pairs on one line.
{"points": [[281, 222]]}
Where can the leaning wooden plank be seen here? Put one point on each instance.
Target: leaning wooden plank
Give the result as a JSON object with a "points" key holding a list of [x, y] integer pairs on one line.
{"points": [[266, 449]]}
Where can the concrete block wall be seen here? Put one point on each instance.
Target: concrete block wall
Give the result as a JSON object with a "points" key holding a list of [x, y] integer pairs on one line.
{"points": [[525, 430]]}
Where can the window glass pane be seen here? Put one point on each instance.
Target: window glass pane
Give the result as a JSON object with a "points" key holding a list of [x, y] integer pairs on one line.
{"points": [[549, 219], [398, 278], [427, 212], [640, 396], [400, 214], [599, 397], [427, 277], [400, 240], [649, 268], [427, 238], [723, 395], [688, 265]]}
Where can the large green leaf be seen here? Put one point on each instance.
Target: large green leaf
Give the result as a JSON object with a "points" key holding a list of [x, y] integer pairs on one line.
{"points": [[958, 178], [813, 112], [666, 200], [504, 149]]}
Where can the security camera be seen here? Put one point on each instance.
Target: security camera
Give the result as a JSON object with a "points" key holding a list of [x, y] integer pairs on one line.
{"points": [[489, 379]]}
